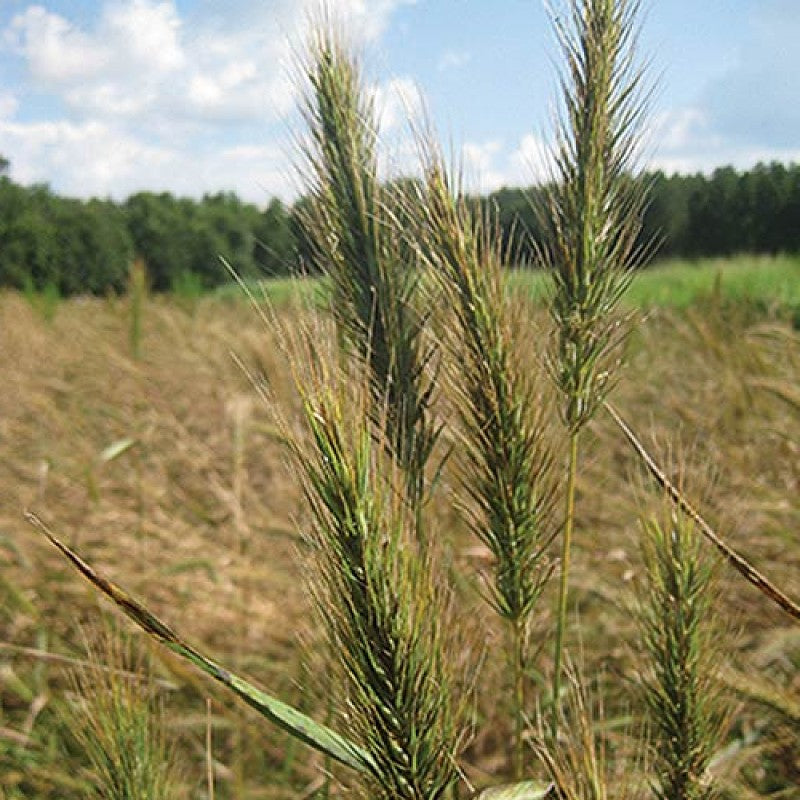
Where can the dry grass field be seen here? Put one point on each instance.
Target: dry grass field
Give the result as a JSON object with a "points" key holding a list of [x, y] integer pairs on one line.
{"points": [[168, 473]]}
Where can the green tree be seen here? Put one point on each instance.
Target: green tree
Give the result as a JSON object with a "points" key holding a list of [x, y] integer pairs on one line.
{"points": [[273, 251], [157, 226], [27, 236]]}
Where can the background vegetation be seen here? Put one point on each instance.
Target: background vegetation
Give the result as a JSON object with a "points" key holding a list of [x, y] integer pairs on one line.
{"points": [[167, 472], [670, 676], [80, 247]]}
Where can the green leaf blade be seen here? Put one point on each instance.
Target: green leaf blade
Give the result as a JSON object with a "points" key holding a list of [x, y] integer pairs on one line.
{"points": [[291, 720]]}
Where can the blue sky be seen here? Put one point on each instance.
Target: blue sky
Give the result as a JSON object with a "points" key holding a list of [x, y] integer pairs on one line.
{"points": [[107, 97]]}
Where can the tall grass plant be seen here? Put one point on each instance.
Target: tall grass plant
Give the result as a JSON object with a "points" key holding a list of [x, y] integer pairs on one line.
{"points": [[365, 414]]}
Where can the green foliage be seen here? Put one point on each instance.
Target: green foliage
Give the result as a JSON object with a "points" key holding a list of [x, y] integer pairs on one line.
{"points": [[178, 236], [687, 216], [72, 245], [137, 297], [274, 245], [187, 289], [85, 247], [93, 246], [44, 302]]}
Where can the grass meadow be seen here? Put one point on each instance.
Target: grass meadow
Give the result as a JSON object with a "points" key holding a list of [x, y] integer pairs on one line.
{"points": [[756, 280], [164, 468]]}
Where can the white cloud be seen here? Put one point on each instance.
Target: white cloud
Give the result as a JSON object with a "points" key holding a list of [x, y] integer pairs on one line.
{"points": [[139, 57], [397, 101], [138, 38], [8, 105], [689, 140], [365, 18], [96, 159], [748, 113], [481, 173], [139, 60], [490, 165], [145, 34], [55, 50], [453, 59], [157, 99], [530, 162], [90, 155]]}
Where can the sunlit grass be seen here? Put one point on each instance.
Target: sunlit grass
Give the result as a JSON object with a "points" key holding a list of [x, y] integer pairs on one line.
{"points": [[677, 284], [160, 528], [772, 282]]}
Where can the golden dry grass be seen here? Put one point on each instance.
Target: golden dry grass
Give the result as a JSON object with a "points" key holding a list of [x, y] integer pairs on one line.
{"points": [[205, 529]]}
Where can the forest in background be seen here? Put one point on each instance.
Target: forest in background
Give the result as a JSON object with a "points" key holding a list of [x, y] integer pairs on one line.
{"points": [[76, 246]]}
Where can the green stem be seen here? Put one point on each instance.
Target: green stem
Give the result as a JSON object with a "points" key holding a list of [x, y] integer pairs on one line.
{"points": [[518, 671], [569, 518]]}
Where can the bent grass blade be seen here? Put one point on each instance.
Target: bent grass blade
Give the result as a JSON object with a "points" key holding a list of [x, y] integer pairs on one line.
{"points": [[295, 723], [736, 560], [525, 790]]}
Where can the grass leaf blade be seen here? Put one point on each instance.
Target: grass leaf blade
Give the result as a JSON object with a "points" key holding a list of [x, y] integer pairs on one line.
{"points": [[292, 721], [737, 561], [526, 790]]}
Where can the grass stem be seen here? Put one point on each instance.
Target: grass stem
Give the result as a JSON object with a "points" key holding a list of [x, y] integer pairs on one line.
{"points": [[563, 586], [518, 671], [737, 561]]}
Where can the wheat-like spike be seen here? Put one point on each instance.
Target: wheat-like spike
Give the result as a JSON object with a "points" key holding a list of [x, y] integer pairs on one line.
{"points": [[357, 243], [506, 462]]}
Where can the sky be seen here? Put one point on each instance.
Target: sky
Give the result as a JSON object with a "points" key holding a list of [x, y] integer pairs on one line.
{"points": [[103, 98]]}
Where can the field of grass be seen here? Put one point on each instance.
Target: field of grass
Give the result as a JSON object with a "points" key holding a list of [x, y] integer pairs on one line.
{"points": [[769, 282], [167, 471], [766, 281]]}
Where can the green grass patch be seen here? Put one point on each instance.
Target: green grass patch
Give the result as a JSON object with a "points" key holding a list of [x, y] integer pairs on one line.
{"points": [[278, 292], [772, 283], [760, 279]]}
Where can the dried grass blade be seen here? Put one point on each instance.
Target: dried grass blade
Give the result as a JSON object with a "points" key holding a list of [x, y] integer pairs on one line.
{"points": [[738, 562], [526, 790], [289, 719], [766, 694]]}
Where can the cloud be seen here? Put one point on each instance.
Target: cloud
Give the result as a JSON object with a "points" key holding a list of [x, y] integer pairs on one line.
{"points": [[140, 36], [91, 155], [491, 165], [8, 105], [756, 103], [140, 61], [530, 162], [156, 98], [140, 57], [101, 160], [55, 50], [365, 18], [690, 139], [398, 101], [453, 59], [481, 173]]}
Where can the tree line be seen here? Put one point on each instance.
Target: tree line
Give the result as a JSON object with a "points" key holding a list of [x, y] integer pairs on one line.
{"points": [[691, 216], [78, 246]]}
